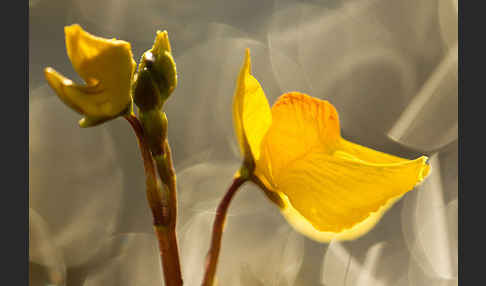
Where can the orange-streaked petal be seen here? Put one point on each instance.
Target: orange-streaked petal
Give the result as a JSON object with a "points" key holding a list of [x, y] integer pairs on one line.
{"points": [[301, 124], [251, 112]]}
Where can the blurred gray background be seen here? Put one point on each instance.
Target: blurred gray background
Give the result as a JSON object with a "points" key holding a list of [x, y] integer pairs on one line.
{"points": [[389, 67]]}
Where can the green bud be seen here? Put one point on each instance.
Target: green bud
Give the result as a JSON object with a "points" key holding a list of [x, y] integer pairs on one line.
{"points": [[157, 75], [154, 123]]}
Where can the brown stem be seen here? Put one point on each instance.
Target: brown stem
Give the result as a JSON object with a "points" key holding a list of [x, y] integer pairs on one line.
{"points": [[153, 194], [213, 253], [168, 249], [165, 168], [167, 243]]}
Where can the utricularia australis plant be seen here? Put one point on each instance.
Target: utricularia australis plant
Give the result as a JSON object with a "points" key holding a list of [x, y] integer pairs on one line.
{"points": [[326, 187]]}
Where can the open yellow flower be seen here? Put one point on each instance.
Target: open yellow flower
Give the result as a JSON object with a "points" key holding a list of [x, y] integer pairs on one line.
{"points": [[107, 67], [326, 187]]}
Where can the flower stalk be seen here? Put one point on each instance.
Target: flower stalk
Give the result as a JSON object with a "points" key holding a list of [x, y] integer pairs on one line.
{"points": [[166, 171], [218, 226], [153, 189], [162, 202]]}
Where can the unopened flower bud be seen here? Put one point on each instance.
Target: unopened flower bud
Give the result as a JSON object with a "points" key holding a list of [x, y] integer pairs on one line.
{"points": [[157, 75]]}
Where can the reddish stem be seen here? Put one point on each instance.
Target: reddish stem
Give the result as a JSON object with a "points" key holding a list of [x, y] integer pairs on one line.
{"points": [[213, 253], [165, 235]]}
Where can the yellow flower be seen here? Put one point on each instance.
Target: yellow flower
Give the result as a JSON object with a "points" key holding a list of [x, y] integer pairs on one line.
{"points": [[107, 67], [326, 187]]}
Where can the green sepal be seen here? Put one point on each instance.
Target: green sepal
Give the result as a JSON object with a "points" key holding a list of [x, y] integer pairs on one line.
{"points": [[154, 123]]}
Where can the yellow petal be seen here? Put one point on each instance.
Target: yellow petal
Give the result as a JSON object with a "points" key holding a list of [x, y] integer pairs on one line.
{"points": [[109, 61], [103, 62], [334, 193], [367, 154], [107, 66], [251, 113], [302, 225], [300, 124], [89, 100]]}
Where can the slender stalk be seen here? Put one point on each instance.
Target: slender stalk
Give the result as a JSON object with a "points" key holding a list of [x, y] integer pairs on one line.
{"points": [[165, 168], [153, 193], [213, 253], [159, 207]]}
